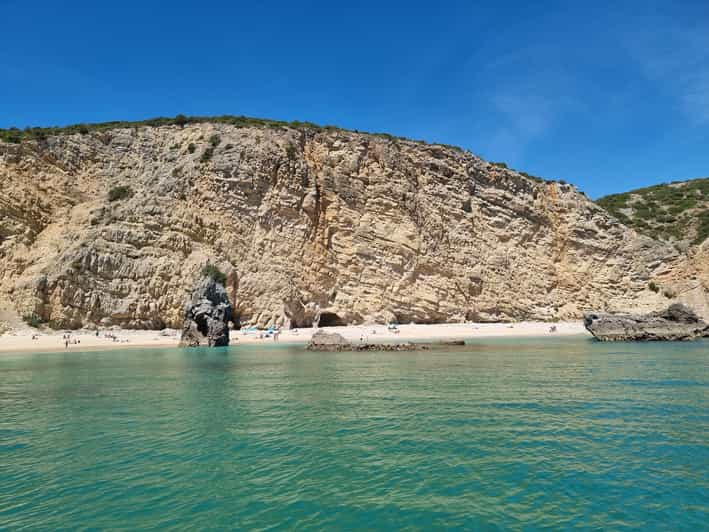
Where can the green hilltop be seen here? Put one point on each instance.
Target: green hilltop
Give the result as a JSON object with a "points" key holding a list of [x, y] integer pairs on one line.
{"points": [[16, 135], [677, 211]]}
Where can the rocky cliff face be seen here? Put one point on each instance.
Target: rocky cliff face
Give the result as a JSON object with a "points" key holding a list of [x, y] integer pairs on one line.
{"points": [[347, 226]]}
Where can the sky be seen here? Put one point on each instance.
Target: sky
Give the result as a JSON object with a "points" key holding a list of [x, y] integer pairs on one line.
{"points": [[606, 95]]}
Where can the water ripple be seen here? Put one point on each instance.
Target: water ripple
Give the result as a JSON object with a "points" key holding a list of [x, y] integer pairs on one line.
{"points": [[500, 435]]}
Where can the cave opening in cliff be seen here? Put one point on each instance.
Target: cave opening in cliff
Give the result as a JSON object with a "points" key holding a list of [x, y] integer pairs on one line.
{"points": [[330, 319], [202, 324]]}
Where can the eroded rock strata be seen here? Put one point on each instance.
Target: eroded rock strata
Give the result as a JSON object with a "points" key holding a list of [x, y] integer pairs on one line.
{"points": [[310, 225]]}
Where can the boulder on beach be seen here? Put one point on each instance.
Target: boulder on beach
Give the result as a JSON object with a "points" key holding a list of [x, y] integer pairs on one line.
{"points": [[677, 322], [207, 316]]}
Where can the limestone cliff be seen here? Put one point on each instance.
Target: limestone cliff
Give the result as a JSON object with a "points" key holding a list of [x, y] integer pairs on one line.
{"points": [[350, 226]]}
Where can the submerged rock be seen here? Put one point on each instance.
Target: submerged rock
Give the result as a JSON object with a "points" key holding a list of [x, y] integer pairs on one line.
{"points": [[677, 322], [207, 316]]}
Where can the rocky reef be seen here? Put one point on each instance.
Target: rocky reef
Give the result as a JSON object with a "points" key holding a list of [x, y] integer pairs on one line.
{"points": [[113, 226], [677, 322], [207, 316], [330, 341]]}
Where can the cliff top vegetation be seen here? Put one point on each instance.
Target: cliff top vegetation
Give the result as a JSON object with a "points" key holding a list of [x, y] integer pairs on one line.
{"points": [[677, 211]]}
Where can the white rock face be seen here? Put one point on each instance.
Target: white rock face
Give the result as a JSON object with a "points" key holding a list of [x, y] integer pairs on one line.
{"points": [[337, 226]]}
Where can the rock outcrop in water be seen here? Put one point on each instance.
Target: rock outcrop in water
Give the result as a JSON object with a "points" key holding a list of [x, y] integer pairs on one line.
{"points": [[329, 341], [207, 316], [677, 322], [111, 228]]}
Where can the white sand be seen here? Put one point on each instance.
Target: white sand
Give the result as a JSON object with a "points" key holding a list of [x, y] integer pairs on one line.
{"points": [[20, 340], [46, 340]]}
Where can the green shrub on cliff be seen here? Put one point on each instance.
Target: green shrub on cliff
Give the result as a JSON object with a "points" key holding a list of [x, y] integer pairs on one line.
{"points": [[12, 135], [32, 320], [211, 271], [207, 155], [703, 228], [119, 193]]}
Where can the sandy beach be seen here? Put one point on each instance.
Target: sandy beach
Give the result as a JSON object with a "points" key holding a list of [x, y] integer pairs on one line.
{"points": [[21, 340]]}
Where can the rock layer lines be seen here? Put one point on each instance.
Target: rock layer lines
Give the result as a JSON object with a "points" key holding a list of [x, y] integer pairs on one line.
{"points": [[310, 225]]}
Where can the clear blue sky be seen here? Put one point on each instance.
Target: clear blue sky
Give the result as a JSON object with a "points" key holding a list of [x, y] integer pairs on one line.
{"points": [[607, 95]]}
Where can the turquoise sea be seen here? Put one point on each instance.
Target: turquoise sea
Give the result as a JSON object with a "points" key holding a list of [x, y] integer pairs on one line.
{"points": [[500, 434]]}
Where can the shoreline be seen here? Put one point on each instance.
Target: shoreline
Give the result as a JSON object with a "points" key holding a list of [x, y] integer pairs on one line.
{"points": [[20, 341]]}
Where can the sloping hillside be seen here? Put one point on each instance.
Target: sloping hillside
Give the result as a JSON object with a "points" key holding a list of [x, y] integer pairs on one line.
{"points": [[112, 225], [677, 211]]}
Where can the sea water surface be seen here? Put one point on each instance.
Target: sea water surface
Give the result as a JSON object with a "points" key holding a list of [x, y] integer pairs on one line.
{"points": [[500, 434]]}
